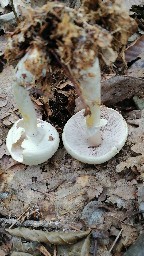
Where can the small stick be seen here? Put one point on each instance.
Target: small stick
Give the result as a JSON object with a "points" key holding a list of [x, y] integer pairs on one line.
{"points": [[115, 240], [55, 251], [20, 217], [95, 248], [77, 229], [43, 250], [30, 223]]}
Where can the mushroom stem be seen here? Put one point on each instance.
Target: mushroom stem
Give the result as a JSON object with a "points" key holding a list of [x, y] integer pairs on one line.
{"points": [[91, 90], [26, 109]]}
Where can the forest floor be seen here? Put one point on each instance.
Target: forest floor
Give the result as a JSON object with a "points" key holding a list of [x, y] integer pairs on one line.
{"points": [[66, 195]]}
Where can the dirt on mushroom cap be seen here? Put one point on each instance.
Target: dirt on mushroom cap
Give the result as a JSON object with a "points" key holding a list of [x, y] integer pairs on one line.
{"points": [[114, 17], [73, 37]]}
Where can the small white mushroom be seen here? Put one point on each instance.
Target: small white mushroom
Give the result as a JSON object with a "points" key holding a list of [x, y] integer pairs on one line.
{"points": [[29, 141], [98, 137]]}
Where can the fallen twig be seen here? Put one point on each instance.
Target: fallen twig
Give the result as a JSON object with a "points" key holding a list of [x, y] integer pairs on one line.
{"points": [[55, 251], [115, 240], [73, 227], [43, 250], [20, 216], [95, 248], [31, 223]]}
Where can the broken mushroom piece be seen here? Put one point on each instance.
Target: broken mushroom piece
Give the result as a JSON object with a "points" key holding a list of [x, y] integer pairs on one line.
{"points": [[30, 141], [98, 137]]}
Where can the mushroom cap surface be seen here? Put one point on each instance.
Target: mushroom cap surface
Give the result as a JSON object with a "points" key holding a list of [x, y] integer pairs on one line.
{"points": [[114, 135], [32, 150]]}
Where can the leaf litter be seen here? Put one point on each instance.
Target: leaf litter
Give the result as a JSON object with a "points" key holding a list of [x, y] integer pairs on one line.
{"points": [[59, 190]]}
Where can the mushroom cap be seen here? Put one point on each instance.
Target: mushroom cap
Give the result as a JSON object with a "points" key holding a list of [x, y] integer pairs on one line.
{"points": [[114, 135], [32, 150]]}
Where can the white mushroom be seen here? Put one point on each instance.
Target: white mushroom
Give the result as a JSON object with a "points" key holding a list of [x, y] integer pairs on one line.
{"points": [[98, 137], [30, 141]]}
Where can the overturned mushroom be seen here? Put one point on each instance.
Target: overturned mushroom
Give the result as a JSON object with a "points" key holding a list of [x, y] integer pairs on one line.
{"points": [[99, 136], [30, 141]]}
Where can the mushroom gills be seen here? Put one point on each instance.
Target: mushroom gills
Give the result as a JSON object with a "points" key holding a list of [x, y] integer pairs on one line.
{"points": [[32, 150]]}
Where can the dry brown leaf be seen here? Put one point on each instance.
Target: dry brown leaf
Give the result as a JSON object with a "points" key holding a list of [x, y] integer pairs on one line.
{"points": [[2, 253], [38, 102], [79, 249], [123, 189], [57, 238], [1, 172], [71, 197], [7, 162], [129, 235], [119, 202], [3, 100], [135, 49], [114, 218], [3, 150], [139, 147], [131, 162], [11, 119]]}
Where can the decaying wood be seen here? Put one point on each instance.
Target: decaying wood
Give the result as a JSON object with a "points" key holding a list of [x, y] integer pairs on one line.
{"points": [[4, 222]]}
